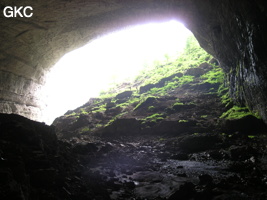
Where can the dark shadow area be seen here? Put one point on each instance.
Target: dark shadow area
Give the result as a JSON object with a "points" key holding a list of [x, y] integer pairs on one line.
{"points": [[161, 148], [198, 133]]}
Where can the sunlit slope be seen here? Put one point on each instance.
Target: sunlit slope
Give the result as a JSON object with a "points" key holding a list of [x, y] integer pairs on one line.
{"points": [[108, 60]]}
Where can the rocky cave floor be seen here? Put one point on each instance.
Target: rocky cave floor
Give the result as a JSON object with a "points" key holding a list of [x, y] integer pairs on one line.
{"points": [[201, 158], [177, 167], [35, 165]]}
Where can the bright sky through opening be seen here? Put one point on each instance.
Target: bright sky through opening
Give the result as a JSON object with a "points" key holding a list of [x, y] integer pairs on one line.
{"points": [[85, 72]]}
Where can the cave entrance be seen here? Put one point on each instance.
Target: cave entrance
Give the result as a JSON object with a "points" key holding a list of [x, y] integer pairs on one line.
{"points": [[116, 57]]}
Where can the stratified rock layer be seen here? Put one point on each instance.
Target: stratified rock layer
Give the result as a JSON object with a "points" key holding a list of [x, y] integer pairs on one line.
{"points": [[232, 31]]}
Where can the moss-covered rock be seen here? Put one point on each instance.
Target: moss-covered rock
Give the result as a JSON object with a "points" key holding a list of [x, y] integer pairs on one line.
{"points": [[149, 101], [197, 72]]}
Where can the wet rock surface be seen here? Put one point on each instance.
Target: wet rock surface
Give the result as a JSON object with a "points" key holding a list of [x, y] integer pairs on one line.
{"points": [[34, 164]]}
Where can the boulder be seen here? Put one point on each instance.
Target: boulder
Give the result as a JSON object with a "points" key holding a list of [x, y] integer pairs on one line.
{"points": [[205, 86], [205, 179], [173, 127], [148, 102], [162, 82], [110, 105], [82, 121], [85, 148], [201, 142], [159, 84], [241, 152], [113, 111], [119, 127], [197, 72], [146, 88], [248, 124], [119, 101], [124, 95]]}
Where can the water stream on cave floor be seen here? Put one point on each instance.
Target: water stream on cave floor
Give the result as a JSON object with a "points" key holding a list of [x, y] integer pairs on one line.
{"points": [[150, 172]]}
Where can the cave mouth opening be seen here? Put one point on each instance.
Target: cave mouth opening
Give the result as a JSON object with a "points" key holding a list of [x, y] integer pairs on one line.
{"points": [[105, 61]]}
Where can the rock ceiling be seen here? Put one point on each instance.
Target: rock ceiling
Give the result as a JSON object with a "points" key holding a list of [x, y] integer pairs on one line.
{"points": [[232, 31]]}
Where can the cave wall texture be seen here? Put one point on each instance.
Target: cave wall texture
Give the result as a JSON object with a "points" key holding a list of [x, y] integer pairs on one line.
{"points": [[234, 32]]}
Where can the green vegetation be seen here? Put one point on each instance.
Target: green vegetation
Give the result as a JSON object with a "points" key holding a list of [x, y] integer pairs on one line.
{"points": [[237, 112], [157, 92], [97, 101], [153, 118], [101, 108], [161, 74], [151, 108], [84, 130], [182, 121], [192, 56], [107, 94], [71, 114], [163, 78], [82, 111], [178, 104], [184, 80], [131, 101], [214, 76], [114, 118], [99, 125], [144, 99], [226, 100], [224, 94]]}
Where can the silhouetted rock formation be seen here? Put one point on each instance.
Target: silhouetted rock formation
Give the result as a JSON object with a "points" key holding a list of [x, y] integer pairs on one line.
{"points": [[35, 165]]}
